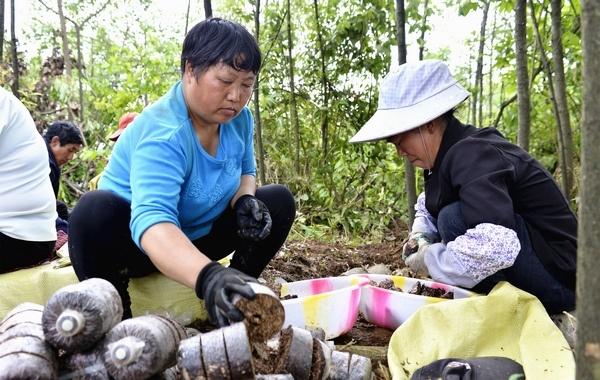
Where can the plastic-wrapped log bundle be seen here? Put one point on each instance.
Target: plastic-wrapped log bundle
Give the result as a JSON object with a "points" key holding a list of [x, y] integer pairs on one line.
{"points": [[321, 360], [77, 316], [239, 354], [189, 359], [88, 365], [264, 315], [295, 353], [24, 354], [140, 347], [346, 366], [219, 354]]}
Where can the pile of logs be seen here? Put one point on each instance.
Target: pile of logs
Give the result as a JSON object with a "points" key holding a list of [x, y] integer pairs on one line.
{"points": [[79, 335]]}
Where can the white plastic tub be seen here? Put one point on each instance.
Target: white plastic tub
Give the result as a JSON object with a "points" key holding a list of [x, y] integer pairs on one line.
{"points": [[389, 309], [330, 303]]}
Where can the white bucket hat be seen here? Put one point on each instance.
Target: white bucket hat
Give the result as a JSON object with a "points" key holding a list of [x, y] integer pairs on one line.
{"points": [[410, 95]]}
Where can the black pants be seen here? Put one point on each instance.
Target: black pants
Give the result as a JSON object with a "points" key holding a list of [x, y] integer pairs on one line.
{"points": [[16, 254], [100, 243]]}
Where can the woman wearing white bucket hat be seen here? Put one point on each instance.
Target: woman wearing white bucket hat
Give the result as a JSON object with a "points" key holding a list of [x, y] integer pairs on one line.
{"points": [[490, 212]]}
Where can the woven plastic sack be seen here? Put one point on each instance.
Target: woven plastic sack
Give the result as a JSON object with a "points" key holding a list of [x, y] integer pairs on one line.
{"points": [[507, 322], [156, 293]]}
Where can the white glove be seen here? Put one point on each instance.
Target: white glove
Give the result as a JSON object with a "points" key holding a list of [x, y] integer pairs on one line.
{"points": [[416, 261], [414, 243]]}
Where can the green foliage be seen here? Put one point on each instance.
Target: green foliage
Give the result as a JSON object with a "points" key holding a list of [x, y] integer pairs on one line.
{"points": [[349, 190]]}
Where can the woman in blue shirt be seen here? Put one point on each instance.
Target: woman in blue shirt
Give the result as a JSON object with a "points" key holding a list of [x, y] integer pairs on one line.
{"points": [[180, 188]]}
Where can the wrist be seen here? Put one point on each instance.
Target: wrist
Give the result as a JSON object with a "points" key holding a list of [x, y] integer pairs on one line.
{"points": [[242, 197], [202, 276]]}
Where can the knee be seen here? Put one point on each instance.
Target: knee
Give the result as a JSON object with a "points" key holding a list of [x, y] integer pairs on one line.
{"points": [[279, 200], [450, 222]]}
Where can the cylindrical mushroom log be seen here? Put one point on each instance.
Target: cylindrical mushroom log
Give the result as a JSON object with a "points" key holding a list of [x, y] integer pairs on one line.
{"points": [[171, 373], [360, 368], [295, 353], [27, 312], [264, 315], [189, 359], [77, 316], [24, 354], [340, 362], [239, 354], [345, 365], [321, 360], [87, 365], [140, 347], [214, 355]]}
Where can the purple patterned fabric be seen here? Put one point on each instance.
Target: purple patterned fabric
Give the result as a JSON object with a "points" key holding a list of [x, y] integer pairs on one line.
{"points": [[479, 253]]}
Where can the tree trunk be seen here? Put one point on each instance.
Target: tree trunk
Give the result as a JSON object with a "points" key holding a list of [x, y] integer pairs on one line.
{"points": [[522, 75], [409, 170], [208, 9], [258, 133], [551, 89], [292, 84], [1, 31], [491, 76], [65, 39], [325, 93], [560, 91], [15, 59], [80, 73], [187, 18], [477, 91], [423, 30], [588, 265]]}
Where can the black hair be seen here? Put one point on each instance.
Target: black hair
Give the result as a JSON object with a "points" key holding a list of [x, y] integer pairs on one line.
{"points": [[449, 115], [216, 40], [67, 132]]}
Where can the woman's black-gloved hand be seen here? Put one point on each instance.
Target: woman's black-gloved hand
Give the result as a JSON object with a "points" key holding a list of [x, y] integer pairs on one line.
{"points": [[218, 285], [253, 218]]}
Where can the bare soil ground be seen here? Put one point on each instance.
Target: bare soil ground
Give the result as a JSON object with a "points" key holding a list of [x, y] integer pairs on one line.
{"points": [[301, 260]]}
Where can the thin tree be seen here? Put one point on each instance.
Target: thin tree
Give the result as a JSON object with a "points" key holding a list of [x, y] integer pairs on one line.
{"points": [[409, 170], [491, 66], [78, 27], [187, 18], [588, 265], [324, 85], [292, 84], [522, 75], [65, 39], [15, 59], [1, 31], [258, 134], [548, 70], [423, 29], [208, 13], [560, 92], [477, 91]]}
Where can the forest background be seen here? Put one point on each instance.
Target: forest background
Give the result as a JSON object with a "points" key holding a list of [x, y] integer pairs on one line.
{"points": [[532, 68], [94, 60]]}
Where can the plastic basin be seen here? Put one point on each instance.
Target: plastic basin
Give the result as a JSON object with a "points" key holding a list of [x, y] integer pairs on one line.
{"points": [[389, 308], [330, 303]]}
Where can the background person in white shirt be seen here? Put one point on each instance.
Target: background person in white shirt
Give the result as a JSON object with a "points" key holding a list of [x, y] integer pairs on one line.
{"points": [[27, 202]]}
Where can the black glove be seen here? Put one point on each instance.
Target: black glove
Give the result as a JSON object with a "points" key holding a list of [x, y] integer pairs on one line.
{"points": [[217, 285], [253, 218]]}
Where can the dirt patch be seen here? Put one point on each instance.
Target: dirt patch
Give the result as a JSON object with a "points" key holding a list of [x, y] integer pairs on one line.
{"points": [[302, 260]]}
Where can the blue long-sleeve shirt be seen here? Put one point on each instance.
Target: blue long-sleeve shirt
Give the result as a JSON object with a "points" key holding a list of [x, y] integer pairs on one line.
{"points": [[160, 167]]}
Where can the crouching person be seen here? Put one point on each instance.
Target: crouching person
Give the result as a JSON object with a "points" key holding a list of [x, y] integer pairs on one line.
{"points": [[27, 202], [179, 191], [490, 212]]}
